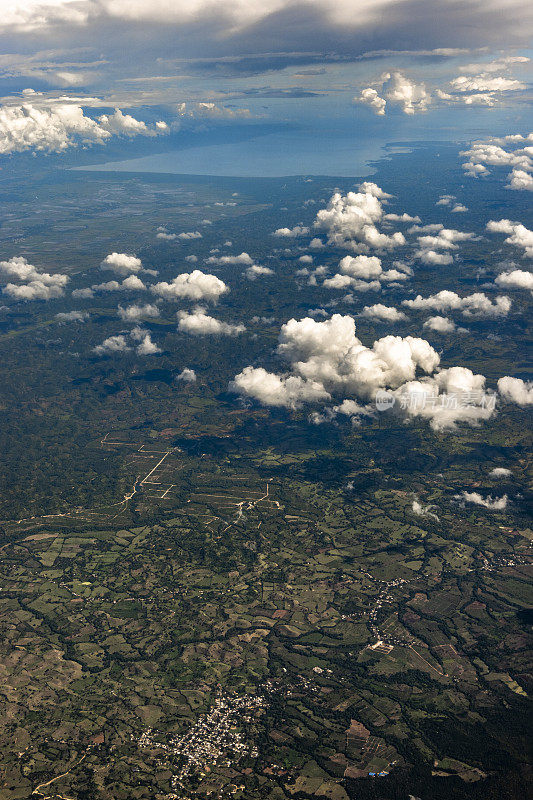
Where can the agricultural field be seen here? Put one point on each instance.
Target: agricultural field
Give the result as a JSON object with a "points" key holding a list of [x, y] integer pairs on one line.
{"points": [[205, 596]]}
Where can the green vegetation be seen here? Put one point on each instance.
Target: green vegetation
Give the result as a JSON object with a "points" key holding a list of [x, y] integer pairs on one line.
{"points": [[167, 552]]}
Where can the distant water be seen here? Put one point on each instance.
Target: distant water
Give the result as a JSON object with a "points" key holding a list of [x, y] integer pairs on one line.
{"points": [[271, 156]]}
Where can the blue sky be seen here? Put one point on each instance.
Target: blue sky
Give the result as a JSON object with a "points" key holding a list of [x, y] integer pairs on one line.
{"points": [[287, 87]]}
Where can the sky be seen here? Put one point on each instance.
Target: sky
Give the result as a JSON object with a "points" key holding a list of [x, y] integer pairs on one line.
{"points": [[266, 87]]}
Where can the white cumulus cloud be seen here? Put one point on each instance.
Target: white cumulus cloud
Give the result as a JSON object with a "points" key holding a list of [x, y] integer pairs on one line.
{"points": [[32, 283], [257, 271], [515, 390], [134, 313], [440, 324], [383, 313], [121, 264], [55, 128], [291, 233], [500, 472], [494, 504], [350, 220], [326, 358], [187, 375], [515, 279], [198, 323], [72, 316], [289, 391], [196, 285], [398, 90], [243, 259], [113, 344], [519, 236], [477, 304], [513, 151]]}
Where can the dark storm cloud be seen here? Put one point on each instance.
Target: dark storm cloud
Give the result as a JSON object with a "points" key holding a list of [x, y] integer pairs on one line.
{"points": [[259, 36]]}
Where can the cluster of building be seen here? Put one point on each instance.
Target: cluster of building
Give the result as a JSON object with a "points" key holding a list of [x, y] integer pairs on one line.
{"points": [[499, 560], [215, 738], [384, 597]]}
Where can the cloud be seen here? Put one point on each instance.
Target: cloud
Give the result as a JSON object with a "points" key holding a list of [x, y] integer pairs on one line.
{"points": [[34, 284], [382, 312], [410, 96], [397, 90], [433, 258], [424, 511], [113, 344], [132, 282], [243, 259], [34, 290], [189, 235], [187, 375], [484, 83], [212, 111], [119, 344], [515, 390], [256, 271], [519, 235], [72, 316], [339, 281], [394, 275], [500, 472], [198, 323], [348, 408], [196, 285], [346, 27], [433, 227], [440, 324], [330, 353], [481, 86], [494, 504], [327, 359], [477, 304], [351, 408], [496, 65], [134, 313], [364, 273], [513, 151], [83, 294], [288, 391], [515, 279], [129, 284], [369, 97], [449, 200], [520, 180], [291, 233], [121, 263], [145, 347], [479, 99], [430, 246], [350, 220], [365, 267], [371, 275], [448, 397], [56, 128], [185, 236], [401, 218], [17, 267]]}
